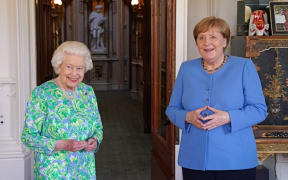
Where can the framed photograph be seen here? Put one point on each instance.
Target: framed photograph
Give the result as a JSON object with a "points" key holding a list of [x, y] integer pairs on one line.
{"points": [[279, 18]]}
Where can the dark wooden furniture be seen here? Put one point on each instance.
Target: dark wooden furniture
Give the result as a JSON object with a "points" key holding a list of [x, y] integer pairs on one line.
{"points": [[269, 54]]}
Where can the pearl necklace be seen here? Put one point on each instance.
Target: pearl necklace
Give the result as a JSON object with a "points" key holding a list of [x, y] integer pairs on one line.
{"points": [[215, 69], [70, 94]]}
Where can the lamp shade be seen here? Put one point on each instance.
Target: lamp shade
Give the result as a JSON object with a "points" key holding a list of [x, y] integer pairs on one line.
{"points": [[58, 2], [134, 2]]}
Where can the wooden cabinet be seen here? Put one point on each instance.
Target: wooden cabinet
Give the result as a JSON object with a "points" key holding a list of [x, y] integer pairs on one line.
{"points": [[270, 56]]}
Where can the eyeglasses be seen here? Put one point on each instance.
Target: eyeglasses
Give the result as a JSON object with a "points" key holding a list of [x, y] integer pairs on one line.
{"points": [[79, 69]]}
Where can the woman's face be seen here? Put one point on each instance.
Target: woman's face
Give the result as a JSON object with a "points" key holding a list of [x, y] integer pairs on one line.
{"points": [[71, 72], [211, 45]]}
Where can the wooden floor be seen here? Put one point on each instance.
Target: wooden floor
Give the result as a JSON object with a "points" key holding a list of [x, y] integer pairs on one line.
{"points": [[125, 153]]}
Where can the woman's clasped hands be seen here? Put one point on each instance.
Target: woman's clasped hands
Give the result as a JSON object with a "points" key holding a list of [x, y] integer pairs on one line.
{"points": [[207, 121], [75, 145]]}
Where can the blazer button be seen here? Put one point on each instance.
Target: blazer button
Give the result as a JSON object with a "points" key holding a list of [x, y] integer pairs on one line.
{"points": [[208, 89], [207, 100]]}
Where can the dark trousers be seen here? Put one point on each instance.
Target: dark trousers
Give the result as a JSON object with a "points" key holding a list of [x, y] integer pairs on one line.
{"points": [[246, 174]]}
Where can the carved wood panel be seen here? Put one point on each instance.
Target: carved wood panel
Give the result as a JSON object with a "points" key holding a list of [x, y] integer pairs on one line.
{"points": [[269, 55]]}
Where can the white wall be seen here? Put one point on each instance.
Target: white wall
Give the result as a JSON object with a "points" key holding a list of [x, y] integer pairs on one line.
{"points": [[181, 55], [188, 13], [197, 10], [17, 49]]}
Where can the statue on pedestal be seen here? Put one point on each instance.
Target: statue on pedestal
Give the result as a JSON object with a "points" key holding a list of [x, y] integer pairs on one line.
{"points": [[96, 21]]}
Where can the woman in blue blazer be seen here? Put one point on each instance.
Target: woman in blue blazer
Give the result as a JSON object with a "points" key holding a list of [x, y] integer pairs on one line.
{"points": [[215, 102]]}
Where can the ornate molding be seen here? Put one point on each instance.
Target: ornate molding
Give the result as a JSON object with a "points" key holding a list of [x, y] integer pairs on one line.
{"points": [[272, 148], [256, 44], [263, 156], [265, 150], [10, 93], [7, 81], [12, 148], [268, 145]]}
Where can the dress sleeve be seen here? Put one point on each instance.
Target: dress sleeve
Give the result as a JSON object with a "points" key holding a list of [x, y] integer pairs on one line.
{"points": [[98, 133], [254, 110], [175, 110], [34, 117]]}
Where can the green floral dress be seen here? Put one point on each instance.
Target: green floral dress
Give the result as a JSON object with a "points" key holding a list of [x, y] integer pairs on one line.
{"points": [[51, 115]]}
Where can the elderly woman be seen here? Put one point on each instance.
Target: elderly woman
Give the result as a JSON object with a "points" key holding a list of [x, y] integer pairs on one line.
{"points": [[215, 102], [62, 121]]}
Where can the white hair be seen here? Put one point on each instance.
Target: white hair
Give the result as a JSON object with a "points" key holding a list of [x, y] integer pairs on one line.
{"points": [[71, 48]]}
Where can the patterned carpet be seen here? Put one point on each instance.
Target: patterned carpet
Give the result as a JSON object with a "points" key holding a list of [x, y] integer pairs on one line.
{"points": [[125, 153]]}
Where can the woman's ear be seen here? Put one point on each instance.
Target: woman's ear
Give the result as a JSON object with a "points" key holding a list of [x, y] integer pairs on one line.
{"points": [[225, 43], [58, 69]]}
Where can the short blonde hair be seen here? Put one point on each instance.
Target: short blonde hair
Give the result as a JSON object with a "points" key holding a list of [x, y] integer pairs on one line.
{"points": [[212, 22], [71, 48]]}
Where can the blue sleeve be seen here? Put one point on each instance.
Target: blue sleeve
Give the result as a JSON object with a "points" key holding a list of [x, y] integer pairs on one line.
{"points": [[254, 110], [175, 110]]}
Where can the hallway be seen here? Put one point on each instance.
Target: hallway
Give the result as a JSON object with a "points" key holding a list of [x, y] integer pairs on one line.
{"points": [[125, 153]]}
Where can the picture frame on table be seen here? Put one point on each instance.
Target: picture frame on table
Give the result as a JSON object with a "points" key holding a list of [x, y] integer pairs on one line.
{"points": [[279, 17]]}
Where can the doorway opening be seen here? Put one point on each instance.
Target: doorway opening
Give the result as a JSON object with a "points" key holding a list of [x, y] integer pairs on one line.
{"points": [[118, 36]]}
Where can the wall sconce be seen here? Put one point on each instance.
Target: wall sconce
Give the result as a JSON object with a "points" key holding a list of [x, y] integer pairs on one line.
{"points": [[55, 2], [137, 4]]}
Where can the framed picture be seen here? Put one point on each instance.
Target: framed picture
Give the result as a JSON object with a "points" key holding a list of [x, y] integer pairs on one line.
{"points": [[279, 18]]}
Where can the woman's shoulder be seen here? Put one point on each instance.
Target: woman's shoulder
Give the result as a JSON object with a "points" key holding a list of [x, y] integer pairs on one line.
{"points": [[237, 59], [86, 89], [43, 88], [238, 62], [191, 63], [83, 86]]}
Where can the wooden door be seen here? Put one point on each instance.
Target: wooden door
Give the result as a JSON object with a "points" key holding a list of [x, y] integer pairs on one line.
{"points": [[44, 43], [162, 78], [147, 66], [48, 36]]}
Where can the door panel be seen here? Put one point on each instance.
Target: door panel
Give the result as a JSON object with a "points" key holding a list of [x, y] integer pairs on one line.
{"points": [[163, 66], [162, 78], [44, 43], [48, 36]]}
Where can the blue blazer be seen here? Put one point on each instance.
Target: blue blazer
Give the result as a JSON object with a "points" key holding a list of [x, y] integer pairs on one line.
{"points": [[235, 88]]}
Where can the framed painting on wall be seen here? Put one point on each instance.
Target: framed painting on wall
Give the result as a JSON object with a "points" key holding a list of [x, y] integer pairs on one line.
{"points": [[279, 18]]}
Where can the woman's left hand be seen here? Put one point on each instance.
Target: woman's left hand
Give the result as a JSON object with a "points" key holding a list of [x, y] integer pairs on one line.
{"points": [[217, 119], [91, 144]]}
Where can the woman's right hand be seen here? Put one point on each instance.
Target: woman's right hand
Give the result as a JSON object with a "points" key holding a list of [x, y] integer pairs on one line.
{"points": [[70, 145], [194, 117]]}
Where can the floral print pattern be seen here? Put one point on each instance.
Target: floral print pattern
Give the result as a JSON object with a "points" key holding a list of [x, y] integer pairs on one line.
{"points": [[52, 115]]}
